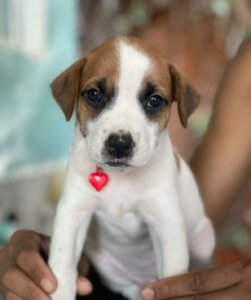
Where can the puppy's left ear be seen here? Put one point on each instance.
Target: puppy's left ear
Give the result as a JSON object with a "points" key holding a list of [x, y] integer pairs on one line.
{"points": [[65, 88], [184, 94]]}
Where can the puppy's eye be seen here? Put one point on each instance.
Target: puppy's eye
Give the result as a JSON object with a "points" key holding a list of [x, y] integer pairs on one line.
{"points": [[154, 103], [94, 96]]}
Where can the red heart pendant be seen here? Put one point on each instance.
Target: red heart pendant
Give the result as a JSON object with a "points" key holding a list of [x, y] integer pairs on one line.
{"points": [[98, 179]]}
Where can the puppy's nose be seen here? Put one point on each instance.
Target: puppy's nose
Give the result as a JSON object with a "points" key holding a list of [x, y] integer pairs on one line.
{"points": [[119, 145]]}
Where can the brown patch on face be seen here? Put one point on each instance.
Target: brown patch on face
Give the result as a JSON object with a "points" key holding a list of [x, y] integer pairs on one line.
{"points": [[101, 72], [158, 87], [169, 82]]}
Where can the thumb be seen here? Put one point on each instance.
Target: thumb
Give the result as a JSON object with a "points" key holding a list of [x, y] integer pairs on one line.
{"points": [[84, 286]]}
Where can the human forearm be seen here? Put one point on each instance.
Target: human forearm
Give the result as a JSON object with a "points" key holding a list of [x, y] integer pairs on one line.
{"points": [[222, 163]]}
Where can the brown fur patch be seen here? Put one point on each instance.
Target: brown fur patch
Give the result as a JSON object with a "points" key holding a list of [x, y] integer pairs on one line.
{"points": [[65, 87], [102, 63], [162, 89], [184, 94]]}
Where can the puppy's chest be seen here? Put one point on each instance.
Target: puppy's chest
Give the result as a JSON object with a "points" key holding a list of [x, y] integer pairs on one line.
{"points": [[119, 198], [115, 208], [117, 216], [119, 245], [119, 201], [117, 220], [124, 227]]}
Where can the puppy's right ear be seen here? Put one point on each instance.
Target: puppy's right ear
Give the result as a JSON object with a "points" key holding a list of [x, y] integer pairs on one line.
{"points": [[65, 88], [184, 94]]}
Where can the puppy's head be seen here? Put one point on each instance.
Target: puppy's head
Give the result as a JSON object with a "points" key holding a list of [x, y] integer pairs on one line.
{"points": [[122, 92]]}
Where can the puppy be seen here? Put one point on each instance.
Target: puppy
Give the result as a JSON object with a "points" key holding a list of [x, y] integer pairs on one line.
{"points": [[128, 198]]}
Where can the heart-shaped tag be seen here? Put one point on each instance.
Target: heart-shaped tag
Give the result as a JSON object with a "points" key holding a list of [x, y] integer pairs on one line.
{"points": [[98, 179]]}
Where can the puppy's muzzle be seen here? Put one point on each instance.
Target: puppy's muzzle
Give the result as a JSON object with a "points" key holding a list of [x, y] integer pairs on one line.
{"points": [[119, 145]]}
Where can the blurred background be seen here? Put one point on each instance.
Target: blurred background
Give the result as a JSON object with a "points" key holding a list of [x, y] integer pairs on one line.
{"points": [[40, 38]]}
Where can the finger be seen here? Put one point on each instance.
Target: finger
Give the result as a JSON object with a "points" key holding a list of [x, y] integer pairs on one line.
{"points": [[20, 284], [31, 262], [12, 296], [83, 266], [44, 246], [84, 286], [28, 258], [23, 238], [231, 293], [194, 283]]}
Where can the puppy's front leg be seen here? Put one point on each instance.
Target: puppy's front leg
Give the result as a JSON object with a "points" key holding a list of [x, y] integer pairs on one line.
{"points": [[167, 228], [70, 228]]}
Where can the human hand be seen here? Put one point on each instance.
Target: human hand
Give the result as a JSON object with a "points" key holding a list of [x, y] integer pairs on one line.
{"points": [[24, 273], [229, 282]]}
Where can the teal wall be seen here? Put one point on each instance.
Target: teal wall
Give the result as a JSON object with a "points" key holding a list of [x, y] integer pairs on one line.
{"points": [[32, 127]]}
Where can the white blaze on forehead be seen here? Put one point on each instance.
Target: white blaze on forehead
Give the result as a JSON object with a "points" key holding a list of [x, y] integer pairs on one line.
{"points": [[133, 67]]}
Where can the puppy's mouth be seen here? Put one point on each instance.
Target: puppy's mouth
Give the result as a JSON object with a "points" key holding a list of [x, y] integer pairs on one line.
{"points": [[118, 164]]}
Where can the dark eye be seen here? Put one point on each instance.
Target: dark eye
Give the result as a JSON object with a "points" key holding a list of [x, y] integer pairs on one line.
{"points": [[154, 103], [94, 96]]}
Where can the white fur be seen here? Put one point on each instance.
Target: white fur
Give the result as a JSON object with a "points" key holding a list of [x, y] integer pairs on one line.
{"points": [[146, 220]]}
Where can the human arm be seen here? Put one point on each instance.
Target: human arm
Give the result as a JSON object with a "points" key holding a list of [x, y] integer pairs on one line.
{"points": [[222, 162], [24, 273], [228, 282]]}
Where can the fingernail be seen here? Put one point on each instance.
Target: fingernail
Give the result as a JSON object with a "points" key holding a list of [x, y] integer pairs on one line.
{"points": [[43, 297], [148, 294], [47, 285]]}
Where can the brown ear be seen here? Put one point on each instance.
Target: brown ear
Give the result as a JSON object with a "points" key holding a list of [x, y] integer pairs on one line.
{"points": [[65, 88], [184, 94]]}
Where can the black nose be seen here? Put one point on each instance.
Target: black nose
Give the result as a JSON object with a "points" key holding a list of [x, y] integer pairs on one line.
{"points": [[119, 145]]}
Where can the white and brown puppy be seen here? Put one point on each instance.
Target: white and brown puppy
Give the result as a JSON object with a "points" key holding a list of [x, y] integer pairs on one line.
{"points": [[148, 220]]}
